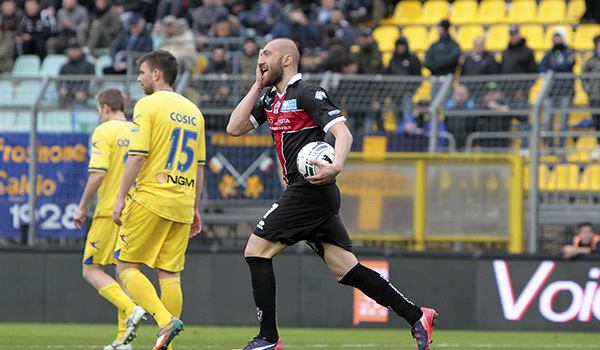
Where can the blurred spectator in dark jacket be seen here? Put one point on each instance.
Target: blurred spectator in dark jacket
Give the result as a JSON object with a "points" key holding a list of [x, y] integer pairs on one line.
{"points": [[416, 125], [560, 59], [592, 86], [11, 17], [458, 125], [262, 16], [517, 59], [343, 30], [223, 30], [321, 15], [309, 61], [442, 56], [295, 26], [177, 8], [103, 28], [335, 53], [368, 54], [129, 9], [479, 61], [37, 26], [592, 12], [136, 41], [218, 62], [76, 91], [249, 57], [203, 17], [403, 61]]}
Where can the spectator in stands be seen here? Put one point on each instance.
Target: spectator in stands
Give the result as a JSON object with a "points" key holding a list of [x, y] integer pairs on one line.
{"points": [[479, 61], [460, 126], [129, 46], [342, 29], [37, 26], [321, 15], [335, 53], [177, 8], [11, 17], [128, 10], [71, 18], [75, 91], [584, 243], [592, 86], [518, 58], [218, 63], [203, 17], [226, 28], [359, 11], [176, 38], [560, 59], [442, 56], [103, 28], [493, 100], [7, 49], [262, 16], [404, 62], [368, 53], [416, 125], [592, 12], [249, 57], [296, 26], [309, 61]]}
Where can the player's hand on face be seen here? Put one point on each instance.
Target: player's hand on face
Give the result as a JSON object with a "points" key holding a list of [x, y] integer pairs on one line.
{"points": [[259, 77], [79, 218], [327, 173], [196, 225], [117, 211]]}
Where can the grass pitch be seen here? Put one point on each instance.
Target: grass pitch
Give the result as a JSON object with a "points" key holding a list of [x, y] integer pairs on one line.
{"points": [[94, 337]]}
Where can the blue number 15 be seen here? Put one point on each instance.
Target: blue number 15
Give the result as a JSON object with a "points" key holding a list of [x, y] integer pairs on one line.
{"points": [[185, 148]]}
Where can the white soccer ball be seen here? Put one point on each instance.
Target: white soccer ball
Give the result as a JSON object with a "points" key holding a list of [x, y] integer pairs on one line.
{"points": [[318, 150]]}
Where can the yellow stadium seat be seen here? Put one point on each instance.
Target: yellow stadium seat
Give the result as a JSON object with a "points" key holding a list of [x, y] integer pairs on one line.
{"points": [[575, 10], [406, 12], [386, 37], [564, 177], [385, 58], [491, 12], [590, 179], [497, 37], [551, 11], [417, 37], [581, 97], [433, 12], [584, 36], [467, 33], [521, 11], [584, 146], [543, 175], [463, 12], [534, 34]]}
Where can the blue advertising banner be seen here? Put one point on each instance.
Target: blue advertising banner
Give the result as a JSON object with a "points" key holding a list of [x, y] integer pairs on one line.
{"points": [[62, 173]]}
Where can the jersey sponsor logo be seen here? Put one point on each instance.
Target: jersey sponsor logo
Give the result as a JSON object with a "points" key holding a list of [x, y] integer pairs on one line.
{"points": [[160, 178], [181, 180], [334, 112], [123, 142], [184, 119], [289, 105], [320, 95]]}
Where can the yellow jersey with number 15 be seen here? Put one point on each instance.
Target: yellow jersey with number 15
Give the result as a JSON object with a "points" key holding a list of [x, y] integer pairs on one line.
{"points": [[110, 143], [169, 130]]}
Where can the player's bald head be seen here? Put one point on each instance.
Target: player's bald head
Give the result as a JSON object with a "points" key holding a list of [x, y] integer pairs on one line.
{"points": [[286, 47]]}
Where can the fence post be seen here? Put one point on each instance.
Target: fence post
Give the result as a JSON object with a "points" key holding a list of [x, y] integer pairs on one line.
{"points": [[434, 107], [33, 162], [534, 145]]}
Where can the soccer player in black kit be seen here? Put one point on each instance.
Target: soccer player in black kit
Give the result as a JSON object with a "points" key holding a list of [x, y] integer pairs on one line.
{"points": [[298, 113]]}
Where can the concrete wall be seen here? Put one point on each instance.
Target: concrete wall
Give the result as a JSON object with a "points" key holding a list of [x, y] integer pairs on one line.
{"points": [[46, 286]]}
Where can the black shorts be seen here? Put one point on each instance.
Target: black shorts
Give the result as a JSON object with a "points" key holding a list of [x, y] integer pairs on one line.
{"points": [[308, 213]]}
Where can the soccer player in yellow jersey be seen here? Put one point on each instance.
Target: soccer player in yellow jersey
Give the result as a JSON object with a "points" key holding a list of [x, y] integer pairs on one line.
{"points": [[167, 155], [110, 144]]}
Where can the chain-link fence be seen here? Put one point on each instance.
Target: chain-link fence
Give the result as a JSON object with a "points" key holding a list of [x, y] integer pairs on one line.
{"points": [[551, 116]]}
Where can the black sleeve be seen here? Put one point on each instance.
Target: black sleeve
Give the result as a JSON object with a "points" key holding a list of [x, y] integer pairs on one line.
{"points": [[258, 111], [315, 101]]}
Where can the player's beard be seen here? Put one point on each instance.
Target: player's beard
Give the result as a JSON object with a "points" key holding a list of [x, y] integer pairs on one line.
{"points": [[148, 90], [274, 74]]}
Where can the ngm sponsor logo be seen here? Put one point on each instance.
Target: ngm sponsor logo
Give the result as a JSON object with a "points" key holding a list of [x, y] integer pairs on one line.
{"points": [[585, 299], [178, 179]]}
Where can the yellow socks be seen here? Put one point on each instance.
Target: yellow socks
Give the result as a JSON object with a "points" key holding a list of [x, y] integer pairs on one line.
{"points": [[143, 292], [124, 304], [121, 326], [170, 295]]}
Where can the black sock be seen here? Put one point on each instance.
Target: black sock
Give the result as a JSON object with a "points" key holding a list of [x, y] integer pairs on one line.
{"points": [[264, 290], [382, 291]]}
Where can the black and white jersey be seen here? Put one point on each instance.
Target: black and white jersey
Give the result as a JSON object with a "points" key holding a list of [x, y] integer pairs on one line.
{"points": [[302, 114]]}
